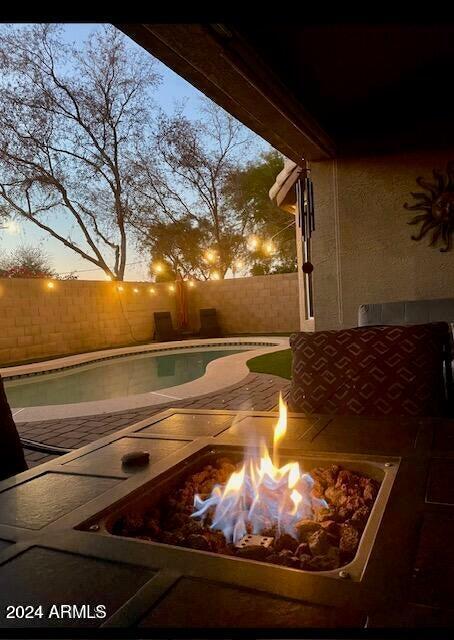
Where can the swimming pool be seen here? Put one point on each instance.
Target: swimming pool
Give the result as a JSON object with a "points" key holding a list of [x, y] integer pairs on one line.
{"points": [[127, 378], [120, 377]]}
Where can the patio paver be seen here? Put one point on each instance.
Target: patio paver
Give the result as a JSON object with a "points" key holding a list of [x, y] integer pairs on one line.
{"points": [[256, 392]]}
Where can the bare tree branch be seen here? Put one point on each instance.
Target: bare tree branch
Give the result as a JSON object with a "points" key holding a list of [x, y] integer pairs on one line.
{"points": [[186, 172], [72, 130]]}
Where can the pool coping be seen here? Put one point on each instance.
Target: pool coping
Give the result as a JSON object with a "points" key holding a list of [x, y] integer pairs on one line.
{"points": [[217, 376]]}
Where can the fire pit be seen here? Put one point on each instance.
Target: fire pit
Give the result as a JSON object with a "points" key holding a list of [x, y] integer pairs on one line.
{"points": [[311, 514], [293, 529], [283, 541]]}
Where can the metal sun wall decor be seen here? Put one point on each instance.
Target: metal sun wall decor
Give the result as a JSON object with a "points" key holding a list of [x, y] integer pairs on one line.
{"points": [[438, 208]]}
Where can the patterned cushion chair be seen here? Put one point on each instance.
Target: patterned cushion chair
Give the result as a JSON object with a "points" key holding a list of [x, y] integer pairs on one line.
{"points": [[371, 371]]}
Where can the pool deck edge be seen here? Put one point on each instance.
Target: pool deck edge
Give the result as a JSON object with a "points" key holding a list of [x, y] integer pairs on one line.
{"points": [[217, 377]]}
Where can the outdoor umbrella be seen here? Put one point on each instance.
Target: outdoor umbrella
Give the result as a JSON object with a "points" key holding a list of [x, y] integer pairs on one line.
{"points": [[182, 305]]}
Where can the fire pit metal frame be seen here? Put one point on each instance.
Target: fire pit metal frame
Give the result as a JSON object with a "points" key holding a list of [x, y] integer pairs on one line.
{"points": [[383, 585], [380, 468]]}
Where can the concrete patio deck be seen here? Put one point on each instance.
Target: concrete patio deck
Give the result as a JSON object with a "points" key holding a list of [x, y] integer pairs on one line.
{"points": [[257, 391]]}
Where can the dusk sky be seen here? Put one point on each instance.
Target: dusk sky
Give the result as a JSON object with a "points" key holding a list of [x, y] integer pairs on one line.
{"points": [[172, 90]]}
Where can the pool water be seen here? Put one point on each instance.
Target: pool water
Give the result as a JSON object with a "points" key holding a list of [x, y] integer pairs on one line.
{"points": [[116, 378]]}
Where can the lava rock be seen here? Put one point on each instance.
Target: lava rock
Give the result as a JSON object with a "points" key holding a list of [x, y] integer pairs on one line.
{"points": [[302, 549], [285, 541], [273, 558], [349, 540], [318, 475], [334, 554], [173, 538], [306, 528], [319, 543], [197, 541], [284, 558], [343, 513], [133, 522], [318, 491], [370, 491], [192, 527], [175, 521], [326, 515], [326, 476], [360, 517], [152, 527], [331, 527], [353, 502], [216, 541], [230, 549], [345, 478], [335, 496], [305, 560], [332, 539], [324, 562], [291, 561]]}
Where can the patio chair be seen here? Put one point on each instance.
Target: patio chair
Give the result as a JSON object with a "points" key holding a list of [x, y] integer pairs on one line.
{"points": [[405, 312], [209, 326], [164, 331], [12, 458], [371, 371]]}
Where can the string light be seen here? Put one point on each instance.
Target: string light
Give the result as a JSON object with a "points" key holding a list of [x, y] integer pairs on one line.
{"points": [[120, 288], [210, 256], [171, 288], [50, 285], [253, 243], [158, 267], [152, 290], [136, 290], [191, 284], [268, 247], [216, 275], [109, 278]]}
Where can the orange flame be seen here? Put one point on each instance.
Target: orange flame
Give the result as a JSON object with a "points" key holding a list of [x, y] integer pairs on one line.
{"points": [[261, 495], [280, 429]]}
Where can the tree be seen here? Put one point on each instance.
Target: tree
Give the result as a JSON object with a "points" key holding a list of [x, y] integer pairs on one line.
{"points": [[183, 176], [27, 262], [70, 122], [177, 249], [30, 262], [247, 193]]}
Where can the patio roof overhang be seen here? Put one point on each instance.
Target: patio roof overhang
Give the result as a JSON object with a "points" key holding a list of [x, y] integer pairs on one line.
{"points": [[221, 64], [316, 90]]}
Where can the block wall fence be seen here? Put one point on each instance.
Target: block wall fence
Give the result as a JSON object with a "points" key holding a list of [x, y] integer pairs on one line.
{"points": [[76, 316]]}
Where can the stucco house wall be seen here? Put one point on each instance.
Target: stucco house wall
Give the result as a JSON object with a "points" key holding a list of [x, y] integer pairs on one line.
{"points": [[362, 247]]}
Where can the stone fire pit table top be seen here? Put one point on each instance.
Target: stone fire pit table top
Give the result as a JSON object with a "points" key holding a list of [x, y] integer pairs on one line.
{"points": [[46, 559]]}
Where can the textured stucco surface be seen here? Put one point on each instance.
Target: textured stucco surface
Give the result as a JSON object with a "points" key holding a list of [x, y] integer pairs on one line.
{"points": [[77, 316], [362, 249]]}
